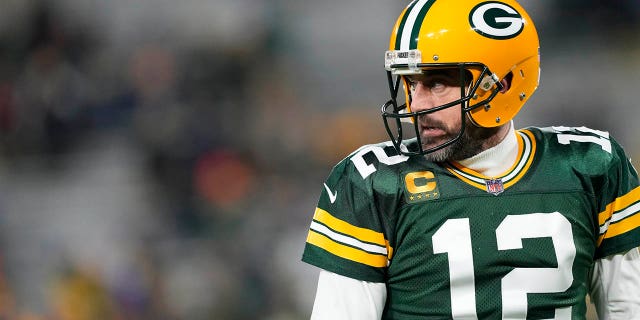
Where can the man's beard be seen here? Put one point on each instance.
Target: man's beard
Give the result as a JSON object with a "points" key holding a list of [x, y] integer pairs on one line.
{"points": [[469, 144]]}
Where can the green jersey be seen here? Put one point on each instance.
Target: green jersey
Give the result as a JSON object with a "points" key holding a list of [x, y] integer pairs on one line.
{"points": [[450, 243]]}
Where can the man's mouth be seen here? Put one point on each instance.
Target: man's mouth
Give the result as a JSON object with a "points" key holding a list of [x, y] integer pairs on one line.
{"points": [[432, 132]]}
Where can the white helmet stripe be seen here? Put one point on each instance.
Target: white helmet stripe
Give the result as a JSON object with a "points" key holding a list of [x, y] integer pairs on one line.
{"points": [[407, 30]]}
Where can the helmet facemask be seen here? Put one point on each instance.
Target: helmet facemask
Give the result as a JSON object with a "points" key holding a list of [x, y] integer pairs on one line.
{"points": [[493, 40], [478, 86]]}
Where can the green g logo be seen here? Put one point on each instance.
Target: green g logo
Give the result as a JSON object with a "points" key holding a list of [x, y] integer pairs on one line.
{"points": [[496, 20]]}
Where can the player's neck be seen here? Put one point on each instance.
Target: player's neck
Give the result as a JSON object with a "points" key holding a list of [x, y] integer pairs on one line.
{"points": [[497, 159]]}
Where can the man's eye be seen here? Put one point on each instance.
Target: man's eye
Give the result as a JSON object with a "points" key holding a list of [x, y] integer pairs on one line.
{"points": [[437, 86], [411, 83]]}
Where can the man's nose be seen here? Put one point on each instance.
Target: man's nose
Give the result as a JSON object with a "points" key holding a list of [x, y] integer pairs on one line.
{"points": [[422, 98]]}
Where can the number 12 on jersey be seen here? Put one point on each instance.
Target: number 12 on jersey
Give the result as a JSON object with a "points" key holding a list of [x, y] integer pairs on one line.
{"points": [[454, 239], [601, 137]]}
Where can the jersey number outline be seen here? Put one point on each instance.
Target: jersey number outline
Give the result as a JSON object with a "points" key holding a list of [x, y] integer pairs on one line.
{"points": [[600, 137], [365, 169], [454, 238]]}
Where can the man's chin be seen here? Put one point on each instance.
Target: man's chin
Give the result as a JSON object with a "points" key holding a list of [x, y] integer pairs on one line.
{"points": [[430, 143], [439, 155]]}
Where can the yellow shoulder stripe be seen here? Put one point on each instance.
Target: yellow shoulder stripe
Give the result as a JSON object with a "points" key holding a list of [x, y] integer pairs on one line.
{"points": [[320, 240], [362, 234], [621, 227], [620, 216], [619, 204]]}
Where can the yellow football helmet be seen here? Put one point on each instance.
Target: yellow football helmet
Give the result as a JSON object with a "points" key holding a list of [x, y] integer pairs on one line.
{"points": [[489, 40]]}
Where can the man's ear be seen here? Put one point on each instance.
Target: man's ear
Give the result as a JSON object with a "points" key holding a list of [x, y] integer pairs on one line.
{"points": [[506, 82]]}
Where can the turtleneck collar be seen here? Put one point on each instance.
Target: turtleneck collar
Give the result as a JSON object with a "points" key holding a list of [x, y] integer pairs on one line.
{"points": [[497, 159]]}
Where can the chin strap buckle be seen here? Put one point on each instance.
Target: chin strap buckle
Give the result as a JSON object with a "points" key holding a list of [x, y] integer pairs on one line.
{"points": [[488, 81]]}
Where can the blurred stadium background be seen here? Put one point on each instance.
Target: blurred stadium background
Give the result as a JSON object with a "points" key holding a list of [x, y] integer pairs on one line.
{"points": [[162, 159]]}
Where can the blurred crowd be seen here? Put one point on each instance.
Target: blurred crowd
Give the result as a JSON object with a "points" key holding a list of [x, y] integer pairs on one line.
{"points": [[162, 159]]}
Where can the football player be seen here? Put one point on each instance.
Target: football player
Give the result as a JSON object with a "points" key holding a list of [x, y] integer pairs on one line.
{"points": [[460, 215]]}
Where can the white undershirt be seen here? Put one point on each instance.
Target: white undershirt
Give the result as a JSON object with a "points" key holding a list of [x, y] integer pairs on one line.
{"points": [[615, 283], [495, 160]]}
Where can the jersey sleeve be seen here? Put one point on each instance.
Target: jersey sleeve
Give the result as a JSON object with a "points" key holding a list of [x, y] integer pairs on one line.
{"points": [[618, 205], [347, 233]]}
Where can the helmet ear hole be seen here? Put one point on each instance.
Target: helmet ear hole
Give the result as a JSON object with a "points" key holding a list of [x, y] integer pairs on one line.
{"points": [[506, 82]]}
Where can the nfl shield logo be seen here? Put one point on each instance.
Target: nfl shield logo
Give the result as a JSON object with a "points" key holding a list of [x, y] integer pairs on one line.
{"points": [[494, 186]]}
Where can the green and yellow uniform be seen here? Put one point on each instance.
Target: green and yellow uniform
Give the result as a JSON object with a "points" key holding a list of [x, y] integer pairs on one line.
{"points": [[451, 243]]}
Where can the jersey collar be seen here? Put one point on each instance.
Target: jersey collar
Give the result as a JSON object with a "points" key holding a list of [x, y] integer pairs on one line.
{"points": [[526, 150]]}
